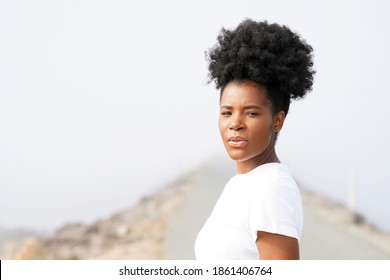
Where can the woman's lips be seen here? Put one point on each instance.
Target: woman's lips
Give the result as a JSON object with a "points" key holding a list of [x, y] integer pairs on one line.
{"points": [[237, 142]]}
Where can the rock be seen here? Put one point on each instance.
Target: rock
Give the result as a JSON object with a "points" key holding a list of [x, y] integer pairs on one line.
{"points": [[30, 249]]}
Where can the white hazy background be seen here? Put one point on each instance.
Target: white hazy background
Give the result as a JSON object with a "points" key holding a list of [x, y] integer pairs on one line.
{"points": [[103, 102]]}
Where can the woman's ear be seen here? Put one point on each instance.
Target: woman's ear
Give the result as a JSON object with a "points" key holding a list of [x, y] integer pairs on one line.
{"points": [[278, 121]]}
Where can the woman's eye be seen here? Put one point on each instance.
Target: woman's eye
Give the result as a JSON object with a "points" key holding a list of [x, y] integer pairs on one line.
{"points": [[225, 113]]}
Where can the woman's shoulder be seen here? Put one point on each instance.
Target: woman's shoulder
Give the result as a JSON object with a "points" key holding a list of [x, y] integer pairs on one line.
{"points": [[272, 177]]}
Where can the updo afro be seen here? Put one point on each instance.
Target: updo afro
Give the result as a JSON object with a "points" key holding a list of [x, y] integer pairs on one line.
{"points": [[270, 55]]}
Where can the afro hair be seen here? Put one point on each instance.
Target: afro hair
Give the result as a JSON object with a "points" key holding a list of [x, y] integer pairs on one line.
{"points": [[270, 55]]}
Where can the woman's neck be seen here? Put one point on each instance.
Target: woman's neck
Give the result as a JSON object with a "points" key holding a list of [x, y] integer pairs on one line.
{"points": [[268, 156]]}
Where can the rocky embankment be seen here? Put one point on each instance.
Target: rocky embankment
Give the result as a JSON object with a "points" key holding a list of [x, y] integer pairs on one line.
{"points": [[136, 233]]}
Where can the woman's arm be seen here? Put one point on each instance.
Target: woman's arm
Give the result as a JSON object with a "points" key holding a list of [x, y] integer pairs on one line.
{"points": [[276, 246]]}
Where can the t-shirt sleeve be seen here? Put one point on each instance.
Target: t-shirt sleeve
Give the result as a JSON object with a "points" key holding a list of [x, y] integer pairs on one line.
{"points": [[276, 209]]}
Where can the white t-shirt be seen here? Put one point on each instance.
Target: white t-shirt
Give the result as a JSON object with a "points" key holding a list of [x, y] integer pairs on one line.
{"points": [[264, 199]]}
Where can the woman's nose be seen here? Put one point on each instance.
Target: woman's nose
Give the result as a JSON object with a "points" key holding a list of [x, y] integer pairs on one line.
{"points": [[236, 123]]}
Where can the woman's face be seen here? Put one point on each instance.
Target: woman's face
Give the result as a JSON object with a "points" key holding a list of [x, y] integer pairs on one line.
{"points": [[246, 121]]}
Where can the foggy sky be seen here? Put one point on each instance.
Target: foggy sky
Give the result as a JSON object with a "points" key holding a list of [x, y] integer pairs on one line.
{"points": [[102, 102]]}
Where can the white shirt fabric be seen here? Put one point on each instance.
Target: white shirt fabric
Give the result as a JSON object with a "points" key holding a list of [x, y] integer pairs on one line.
{"points": [[264, 199]]}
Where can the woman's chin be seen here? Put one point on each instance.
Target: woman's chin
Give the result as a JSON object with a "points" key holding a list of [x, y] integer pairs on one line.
{"points": [[237, 156]]}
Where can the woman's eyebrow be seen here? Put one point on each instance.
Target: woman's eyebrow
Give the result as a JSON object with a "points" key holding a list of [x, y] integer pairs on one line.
{"points": [[226, 107], [245, 107], [252, 107]]}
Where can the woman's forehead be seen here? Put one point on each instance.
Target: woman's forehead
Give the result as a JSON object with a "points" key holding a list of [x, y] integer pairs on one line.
{"points": [[244, 94]]}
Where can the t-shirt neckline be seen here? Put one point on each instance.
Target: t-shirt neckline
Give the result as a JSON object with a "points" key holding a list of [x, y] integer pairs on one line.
{"points": [[261, 167]]}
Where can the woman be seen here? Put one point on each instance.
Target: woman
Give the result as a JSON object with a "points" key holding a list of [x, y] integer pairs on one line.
{"points": [[258, 67]]}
